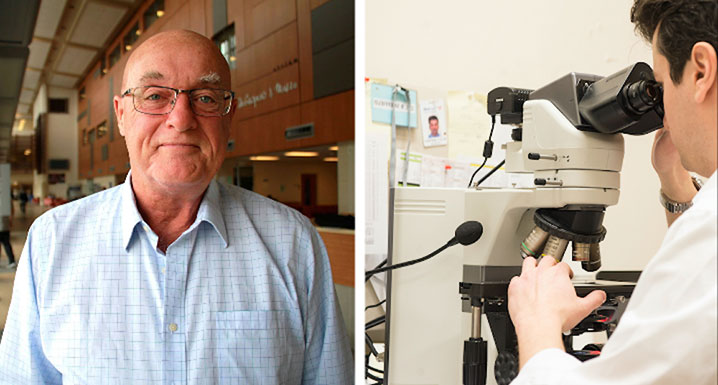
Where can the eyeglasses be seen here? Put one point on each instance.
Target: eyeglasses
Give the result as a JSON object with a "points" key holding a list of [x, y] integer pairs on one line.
{"points": [[158, 100]]}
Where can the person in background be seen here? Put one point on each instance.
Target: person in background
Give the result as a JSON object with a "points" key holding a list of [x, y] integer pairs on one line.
{"points": [[5, 227], [23, 201]]}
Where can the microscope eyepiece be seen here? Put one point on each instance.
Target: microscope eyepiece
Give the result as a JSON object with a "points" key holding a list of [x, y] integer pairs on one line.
{"points": [[642, 96], [628, 102]]}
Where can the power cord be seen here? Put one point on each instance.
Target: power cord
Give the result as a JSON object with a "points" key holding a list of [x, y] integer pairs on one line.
{"points": [[488, 150], [466, 234], [374, 305], [488, 174]]}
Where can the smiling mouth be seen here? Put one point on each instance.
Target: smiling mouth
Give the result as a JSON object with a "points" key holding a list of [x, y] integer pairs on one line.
{"points": [[179, 146]]}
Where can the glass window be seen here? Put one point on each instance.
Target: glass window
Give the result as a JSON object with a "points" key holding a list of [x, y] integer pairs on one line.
{"points": [[154, 12], [115, 55], [131, 37], [225, 40]]}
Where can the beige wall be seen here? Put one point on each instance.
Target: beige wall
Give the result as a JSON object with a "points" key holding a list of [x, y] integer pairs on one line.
{"points": [[21, 178], [345, 173], [282, 180]]}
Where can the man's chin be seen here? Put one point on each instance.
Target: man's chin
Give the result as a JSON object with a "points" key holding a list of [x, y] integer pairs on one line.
{"points": [[179, 178]]}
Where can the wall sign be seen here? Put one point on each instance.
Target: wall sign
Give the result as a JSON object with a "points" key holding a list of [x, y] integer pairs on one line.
{"points": [[278, 88]]}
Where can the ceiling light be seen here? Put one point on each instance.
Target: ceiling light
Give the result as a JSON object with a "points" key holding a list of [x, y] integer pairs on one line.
{"points": [[264, 158], [232, 58], [160, 13], [334, 148], [128, 47], [331, 159], [21, 125], [138, 32], [302, 154], [27, 152]]}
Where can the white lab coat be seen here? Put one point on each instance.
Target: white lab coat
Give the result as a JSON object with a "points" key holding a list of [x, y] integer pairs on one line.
{"points": [[667, 335]]}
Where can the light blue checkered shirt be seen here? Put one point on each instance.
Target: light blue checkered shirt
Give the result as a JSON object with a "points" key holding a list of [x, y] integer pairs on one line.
{"points": [[244, 296]]}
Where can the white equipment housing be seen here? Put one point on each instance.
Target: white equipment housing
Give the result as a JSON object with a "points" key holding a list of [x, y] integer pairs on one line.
{"points": [[425, 323]]}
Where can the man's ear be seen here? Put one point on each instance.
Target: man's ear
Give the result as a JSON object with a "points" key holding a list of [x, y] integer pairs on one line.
{"points": [[119, 113], [704, 61], [233, 109]]}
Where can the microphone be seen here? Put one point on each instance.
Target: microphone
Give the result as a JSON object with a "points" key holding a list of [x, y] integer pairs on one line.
{"points": [[466, 234]]}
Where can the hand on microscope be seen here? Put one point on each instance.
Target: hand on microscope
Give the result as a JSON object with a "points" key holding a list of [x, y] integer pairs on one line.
{"points": [[676, 182], [543, 303]]}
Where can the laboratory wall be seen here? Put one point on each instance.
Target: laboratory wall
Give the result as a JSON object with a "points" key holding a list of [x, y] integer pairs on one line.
{"points": [[437, 47]]}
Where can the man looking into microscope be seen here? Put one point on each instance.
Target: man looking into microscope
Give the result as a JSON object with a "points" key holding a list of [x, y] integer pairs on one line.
{"points": [[668, 333]]}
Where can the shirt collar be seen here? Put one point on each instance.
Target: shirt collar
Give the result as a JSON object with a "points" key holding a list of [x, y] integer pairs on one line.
{"points": [[210, 211]]}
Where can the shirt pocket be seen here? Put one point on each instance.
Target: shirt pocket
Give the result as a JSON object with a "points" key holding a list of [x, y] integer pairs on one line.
{"points": [[255, 347]]}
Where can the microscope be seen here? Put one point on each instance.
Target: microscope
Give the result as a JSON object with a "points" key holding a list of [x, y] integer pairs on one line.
{"points": [[566, 137]]}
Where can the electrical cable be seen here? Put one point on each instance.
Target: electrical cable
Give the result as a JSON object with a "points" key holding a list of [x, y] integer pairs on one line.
{"points": [[498, 166], [475, 172], [366, 278], [488, 150], [375, 378], [379, 380], [375, 322], [369, 273], [374, 305], [375, 369], [466, 234], [370, 344]]}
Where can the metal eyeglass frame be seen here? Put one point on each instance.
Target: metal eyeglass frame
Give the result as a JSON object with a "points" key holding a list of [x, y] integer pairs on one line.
{"points": [[177, 91]]}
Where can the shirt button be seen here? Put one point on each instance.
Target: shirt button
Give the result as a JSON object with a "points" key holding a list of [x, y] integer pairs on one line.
{"points": [[173, 327], [163, 270], [147, 229]]}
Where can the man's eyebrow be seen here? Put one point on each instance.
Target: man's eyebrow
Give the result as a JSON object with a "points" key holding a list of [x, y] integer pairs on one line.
{"points": [[212, 78], [151, 75]]}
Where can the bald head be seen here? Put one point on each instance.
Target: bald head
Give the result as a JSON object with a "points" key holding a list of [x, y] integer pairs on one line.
{"points": [[145, 63]]}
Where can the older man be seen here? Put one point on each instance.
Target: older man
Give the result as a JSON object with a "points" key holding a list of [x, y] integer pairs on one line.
{"points": [[668, 333], [173, 278]]}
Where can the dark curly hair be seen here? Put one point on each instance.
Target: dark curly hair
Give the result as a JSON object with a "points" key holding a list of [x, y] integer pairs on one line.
{"points": [[681, 24]]}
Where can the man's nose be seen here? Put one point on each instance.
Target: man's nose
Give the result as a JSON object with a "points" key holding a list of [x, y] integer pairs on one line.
{"points": [[182, 117]]}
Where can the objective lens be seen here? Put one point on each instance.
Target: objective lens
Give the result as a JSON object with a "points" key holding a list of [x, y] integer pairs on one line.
{"points": [[642, 96], [531, 246], [555, 247], [594, 262], [581, 251]]}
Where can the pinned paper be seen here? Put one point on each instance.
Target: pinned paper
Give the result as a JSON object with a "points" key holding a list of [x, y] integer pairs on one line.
{"points": [[383, 101], [433, 122]]}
